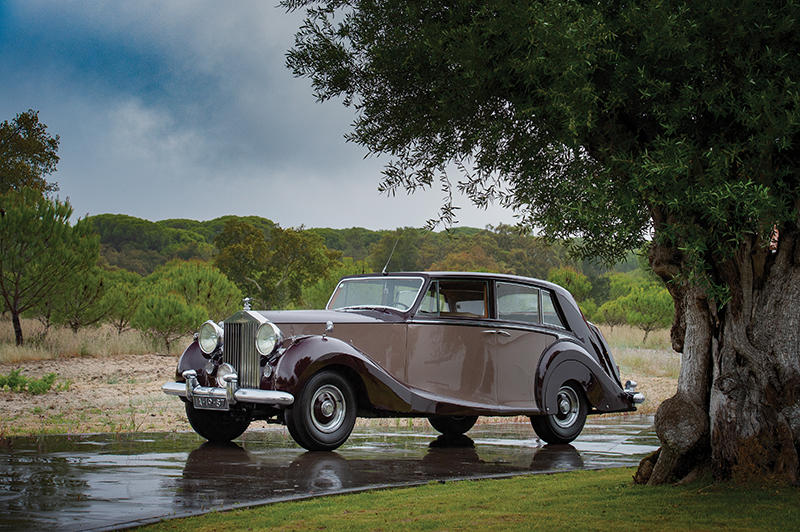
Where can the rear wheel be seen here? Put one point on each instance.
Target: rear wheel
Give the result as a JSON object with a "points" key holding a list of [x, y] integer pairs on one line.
{"points": [[452, 425], [567, 423], [323, 416], [217, 426]]}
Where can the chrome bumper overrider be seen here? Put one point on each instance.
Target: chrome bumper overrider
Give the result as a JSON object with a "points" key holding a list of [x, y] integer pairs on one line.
{"points": [[630, 389], [232, 392]]}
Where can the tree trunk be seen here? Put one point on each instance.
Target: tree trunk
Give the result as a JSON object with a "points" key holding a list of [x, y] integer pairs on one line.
{"points": [[737, 408], [17, 327]]}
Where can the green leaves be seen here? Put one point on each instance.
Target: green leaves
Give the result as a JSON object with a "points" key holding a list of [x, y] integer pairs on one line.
{"points": [[27, 154], [16, 382], [122, 296], [178, 297], [604, 123], [200, 284], [648, 308], [272, 269], [577, 283], [41, 250], [167, 316]]}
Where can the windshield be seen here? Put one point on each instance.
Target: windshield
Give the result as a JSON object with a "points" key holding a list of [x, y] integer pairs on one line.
{"points": [[386, 292]]}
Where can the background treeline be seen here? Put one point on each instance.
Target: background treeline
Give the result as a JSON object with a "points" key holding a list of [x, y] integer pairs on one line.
{"points": [[165, 278], [298, 268]]}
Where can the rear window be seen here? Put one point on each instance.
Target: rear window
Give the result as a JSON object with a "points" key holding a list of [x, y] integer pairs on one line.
{"points": [[518, 302], [549, 312]]}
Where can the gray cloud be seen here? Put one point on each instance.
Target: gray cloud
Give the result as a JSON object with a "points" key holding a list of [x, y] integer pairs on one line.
{"points": [[185, 109]]}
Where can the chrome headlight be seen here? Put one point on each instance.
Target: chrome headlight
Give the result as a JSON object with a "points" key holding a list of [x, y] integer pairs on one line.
{"points": [[209, 337], [267, 337]]}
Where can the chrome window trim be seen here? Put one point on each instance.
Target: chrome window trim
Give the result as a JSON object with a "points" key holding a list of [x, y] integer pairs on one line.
{"points": [[378, 277], [558, 311], [495, 324]]}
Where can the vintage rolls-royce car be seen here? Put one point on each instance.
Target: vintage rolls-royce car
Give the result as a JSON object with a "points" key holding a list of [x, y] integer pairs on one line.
{"points": [[443, 345]]}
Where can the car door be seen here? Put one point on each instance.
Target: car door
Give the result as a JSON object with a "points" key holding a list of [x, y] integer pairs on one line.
{"points": [[449, 350], [519, 341]]}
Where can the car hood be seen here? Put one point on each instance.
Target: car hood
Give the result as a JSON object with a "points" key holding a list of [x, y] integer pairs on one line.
{"points": [[280, 317]]}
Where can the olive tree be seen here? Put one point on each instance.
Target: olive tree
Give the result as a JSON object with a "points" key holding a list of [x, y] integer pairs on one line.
{"points": [[665, 123]]}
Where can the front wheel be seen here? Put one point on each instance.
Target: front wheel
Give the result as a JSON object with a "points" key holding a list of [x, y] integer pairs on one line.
{"points": [[567, 423], [217, 426], [323, 416], [452, 425]]}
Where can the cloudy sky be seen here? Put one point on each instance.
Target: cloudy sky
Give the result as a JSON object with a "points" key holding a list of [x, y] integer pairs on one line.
{"points": [[185, 109]]}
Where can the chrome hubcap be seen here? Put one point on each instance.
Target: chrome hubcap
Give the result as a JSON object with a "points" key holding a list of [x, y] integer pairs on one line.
{"points": [[568, 406], [328, 408]]}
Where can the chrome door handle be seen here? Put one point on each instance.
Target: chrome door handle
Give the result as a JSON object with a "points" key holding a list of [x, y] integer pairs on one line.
{"points": [[495, 331]]}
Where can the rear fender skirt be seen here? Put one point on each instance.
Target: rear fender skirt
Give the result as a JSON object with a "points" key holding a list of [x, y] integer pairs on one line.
{"points": [[567, 361], [384, 392]]}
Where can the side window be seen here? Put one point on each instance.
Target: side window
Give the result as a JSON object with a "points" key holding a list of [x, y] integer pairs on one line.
{"points": [[517, 302], [433, 302], [549, 313], [456, 298]]}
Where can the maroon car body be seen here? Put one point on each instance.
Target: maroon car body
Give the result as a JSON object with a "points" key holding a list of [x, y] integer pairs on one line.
{"points": [[443, 345]]}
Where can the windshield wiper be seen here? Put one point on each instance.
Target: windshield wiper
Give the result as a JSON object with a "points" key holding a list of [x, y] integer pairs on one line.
{"points": [[365, 307]]}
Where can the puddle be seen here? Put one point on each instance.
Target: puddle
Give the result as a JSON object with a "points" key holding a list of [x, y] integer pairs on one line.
{"points": [[108, 481]]}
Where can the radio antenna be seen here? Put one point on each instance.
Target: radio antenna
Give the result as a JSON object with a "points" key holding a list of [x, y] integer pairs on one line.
{"points": [[383, 271]]}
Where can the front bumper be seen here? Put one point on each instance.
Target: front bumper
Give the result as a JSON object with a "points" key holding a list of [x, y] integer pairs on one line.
{"points": [[232, 392]]}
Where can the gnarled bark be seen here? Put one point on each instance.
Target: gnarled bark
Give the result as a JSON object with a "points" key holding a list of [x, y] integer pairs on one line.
{"points": [[737, 407]]}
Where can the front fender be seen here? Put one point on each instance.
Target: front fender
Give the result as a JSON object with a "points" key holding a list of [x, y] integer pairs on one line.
{"points": [[568, 361], [192, 358], [315, 353]]}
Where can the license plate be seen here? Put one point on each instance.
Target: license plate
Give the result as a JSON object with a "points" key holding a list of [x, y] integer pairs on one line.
{"points": [[210, 403]]}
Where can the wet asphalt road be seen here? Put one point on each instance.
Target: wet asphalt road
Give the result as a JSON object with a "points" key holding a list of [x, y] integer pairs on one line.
{"points": [[107, 481]]}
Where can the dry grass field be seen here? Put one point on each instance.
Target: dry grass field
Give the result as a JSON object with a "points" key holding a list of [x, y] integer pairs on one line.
{"points": [[112, 383]]}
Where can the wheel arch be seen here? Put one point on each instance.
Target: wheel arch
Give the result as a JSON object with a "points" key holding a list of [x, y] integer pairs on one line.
{"points": [[567, 361], [374, 387]]}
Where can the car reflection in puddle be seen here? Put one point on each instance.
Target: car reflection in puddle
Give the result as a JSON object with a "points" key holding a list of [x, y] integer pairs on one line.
{"points": [[215, 473], [103, 481]]}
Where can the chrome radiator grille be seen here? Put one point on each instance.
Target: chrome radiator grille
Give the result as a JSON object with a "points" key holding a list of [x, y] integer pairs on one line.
{"points": [[240, 352]]}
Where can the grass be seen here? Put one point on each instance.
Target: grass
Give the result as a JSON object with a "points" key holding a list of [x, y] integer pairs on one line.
{"points": [[623, 336], [583, 500], [62, 342], [654, 358]]}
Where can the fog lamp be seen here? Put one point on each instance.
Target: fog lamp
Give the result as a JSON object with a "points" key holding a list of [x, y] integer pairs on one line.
{"points": [[222, 371]]}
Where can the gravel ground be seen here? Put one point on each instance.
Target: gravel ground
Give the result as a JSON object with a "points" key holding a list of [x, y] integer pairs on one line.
{"points": [[123, 394]]}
